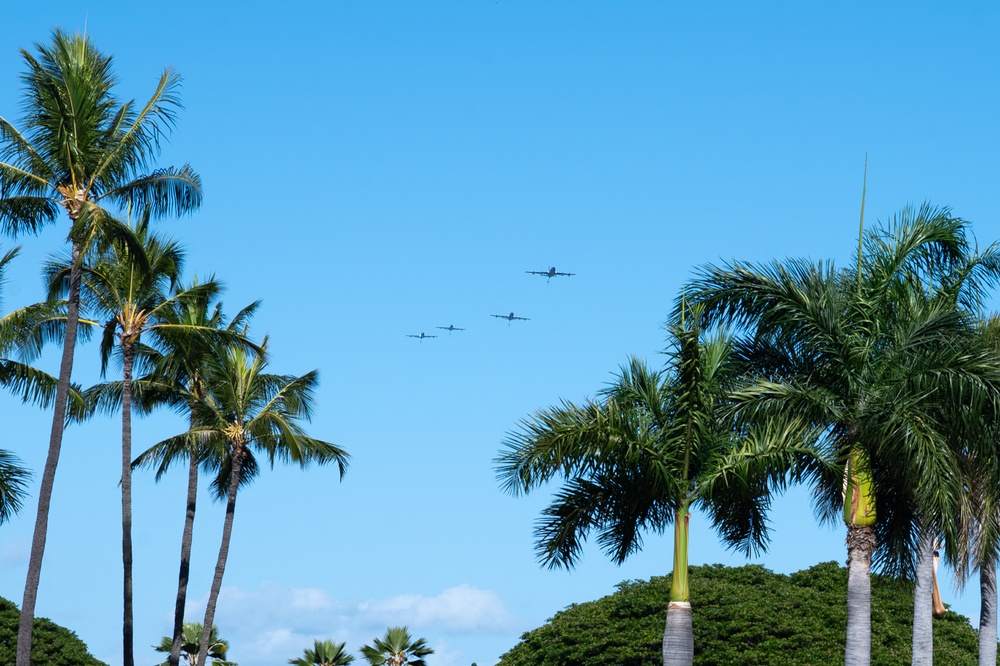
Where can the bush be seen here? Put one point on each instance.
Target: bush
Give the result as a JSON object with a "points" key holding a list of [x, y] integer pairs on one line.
{"points": [[51, 645], [745, 616]]}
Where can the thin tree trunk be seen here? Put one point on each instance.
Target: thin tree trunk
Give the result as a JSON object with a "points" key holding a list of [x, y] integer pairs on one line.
{"points": [[128, 355], [988, 614], [860, 546], [678, 634], [220, 566], [27, 621], [923, 629], [186, 541]]}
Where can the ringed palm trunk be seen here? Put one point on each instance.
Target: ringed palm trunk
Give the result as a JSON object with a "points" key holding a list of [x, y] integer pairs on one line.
{"points": [[859, 515], [220, 567], [38, 539], [678, 634], [128, 354], [923, 606], [186, 541], [988, 613]]}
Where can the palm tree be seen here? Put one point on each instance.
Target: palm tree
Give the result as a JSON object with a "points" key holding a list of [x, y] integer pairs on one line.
{"points": [[198, 330], [247, 410], [872, 360], [80, 152], [654, 446], [190, 639], [127, 286], [396, 648], [324, 653]]}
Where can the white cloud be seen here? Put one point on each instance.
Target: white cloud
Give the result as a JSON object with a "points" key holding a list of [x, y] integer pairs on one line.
{"points": [[271, 624]]}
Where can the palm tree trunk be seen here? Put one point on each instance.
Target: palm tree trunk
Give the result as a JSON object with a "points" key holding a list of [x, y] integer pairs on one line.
{"points": [[988, 614], [220, 566], [128, 358], [27, 621], [182, 577], [678, 634], [923, 629], [860, 546]]}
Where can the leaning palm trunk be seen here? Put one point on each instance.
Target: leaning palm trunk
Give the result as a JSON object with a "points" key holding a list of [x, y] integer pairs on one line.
{"points": [[27, 621], [128, 354], [220, 566], [678, 634], [988, 614], [182, 577], [923, 607]]}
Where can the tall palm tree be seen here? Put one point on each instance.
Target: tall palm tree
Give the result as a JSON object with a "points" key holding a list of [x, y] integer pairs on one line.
{"points": [[83, 153], [198, 330], [396, 648], [245, 411], [324, 653], [127, 286], [872, 361], [651, 448], [190, 640]]}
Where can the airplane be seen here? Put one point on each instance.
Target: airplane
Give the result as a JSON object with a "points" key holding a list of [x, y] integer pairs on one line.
{"points": [[510, 317], [450, 328], [551, 273], [421, 336]]}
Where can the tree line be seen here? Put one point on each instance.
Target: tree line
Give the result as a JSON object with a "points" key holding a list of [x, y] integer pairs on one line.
{"points": [[82, 157], [876, 385]]}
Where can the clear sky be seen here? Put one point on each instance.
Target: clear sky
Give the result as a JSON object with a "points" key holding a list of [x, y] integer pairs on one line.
{"points": [[378, 169]]}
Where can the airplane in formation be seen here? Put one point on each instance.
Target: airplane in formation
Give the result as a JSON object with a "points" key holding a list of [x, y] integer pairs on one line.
{"points": [[510, 317], [421, 336], [450, 328], [551, 273]]}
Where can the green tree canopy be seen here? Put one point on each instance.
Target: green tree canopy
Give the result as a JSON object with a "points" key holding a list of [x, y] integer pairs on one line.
{"points": [[747, 616]]}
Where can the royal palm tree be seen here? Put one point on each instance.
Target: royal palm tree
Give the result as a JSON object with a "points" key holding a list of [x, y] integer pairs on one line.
{"points": [[248, 411], [324, 653], [396, 648], [653, 446], [197, 330], [190, 639], [81, 152], [873, 360]]}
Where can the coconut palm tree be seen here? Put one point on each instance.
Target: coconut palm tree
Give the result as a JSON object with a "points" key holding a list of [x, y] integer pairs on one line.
{"points": [[81, 152], [654, 446], [873, 360], [197, 330], [127, 286], [190, 638], [396, 648], [248, 411], [324, 653]]}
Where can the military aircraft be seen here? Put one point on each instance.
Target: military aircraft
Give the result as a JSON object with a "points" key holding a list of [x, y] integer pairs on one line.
{"points": [[421, 336], [551, 273], [450, 328], [510, 317]]}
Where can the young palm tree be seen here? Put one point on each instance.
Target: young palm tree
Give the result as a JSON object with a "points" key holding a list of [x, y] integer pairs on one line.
{"points": [[197, 330], [190, 639], [872, 361], [396, 648], [654, 446], [80, 152], [245, 411], [324, 653]]}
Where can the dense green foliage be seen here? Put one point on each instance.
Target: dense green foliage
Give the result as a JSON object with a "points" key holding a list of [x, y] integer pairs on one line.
{"points": [[745, 616], [51, 644]]}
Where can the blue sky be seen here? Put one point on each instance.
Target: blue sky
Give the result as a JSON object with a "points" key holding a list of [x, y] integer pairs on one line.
{"points": [[379, 169]]}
